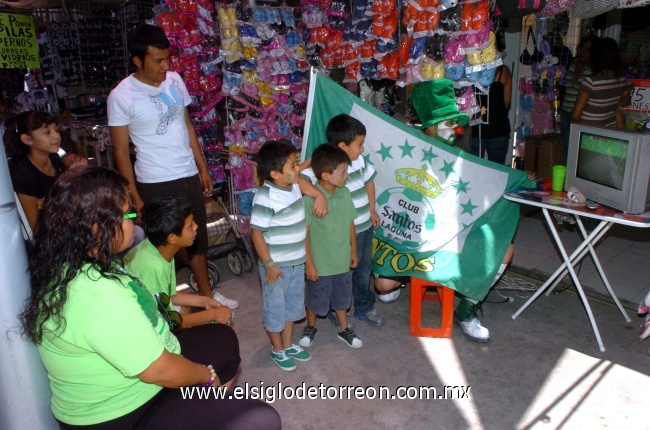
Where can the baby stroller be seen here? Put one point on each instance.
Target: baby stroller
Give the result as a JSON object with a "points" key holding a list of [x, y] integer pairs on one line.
{"points": [[224, 240]]}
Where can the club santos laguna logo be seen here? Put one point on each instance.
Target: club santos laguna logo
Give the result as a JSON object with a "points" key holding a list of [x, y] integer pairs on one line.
{"points": [[406, 213]]}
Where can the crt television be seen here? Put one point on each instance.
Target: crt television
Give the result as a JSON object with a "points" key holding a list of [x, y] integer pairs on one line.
{"points": [[610, 166]]}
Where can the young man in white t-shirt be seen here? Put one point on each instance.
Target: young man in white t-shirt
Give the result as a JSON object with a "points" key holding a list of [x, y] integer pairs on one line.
{"points": [[150, 108]]}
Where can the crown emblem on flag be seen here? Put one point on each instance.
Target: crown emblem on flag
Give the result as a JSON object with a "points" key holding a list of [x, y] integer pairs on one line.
{"points": [[418, 180]]}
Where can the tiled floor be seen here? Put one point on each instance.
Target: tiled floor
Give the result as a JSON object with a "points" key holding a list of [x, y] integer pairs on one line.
{"points": [[624, 254]]}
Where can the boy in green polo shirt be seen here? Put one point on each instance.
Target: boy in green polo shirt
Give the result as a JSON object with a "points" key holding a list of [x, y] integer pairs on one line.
{"points": [[331, 246]]}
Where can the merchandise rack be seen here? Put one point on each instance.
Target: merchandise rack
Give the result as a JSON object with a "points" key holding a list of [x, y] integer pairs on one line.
{"points": [[89, 42]]}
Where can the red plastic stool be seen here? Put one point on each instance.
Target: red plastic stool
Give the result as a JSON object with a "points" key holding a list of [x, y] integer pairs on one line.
{"points": [[421, 290]]}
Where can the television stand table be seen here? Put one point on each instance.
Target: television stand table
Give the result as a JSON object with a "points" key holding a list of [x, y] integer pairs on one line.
{"points": [[558, 201]]}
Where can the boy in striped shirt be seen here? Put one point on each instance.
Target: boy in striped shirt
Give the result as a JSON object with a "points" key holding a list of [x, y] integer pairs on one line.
{"points": [[278, 232]]}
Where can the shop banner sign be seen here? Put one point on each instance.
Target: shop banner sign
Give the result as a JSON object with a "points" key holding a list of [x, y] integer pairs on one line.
{"points": [[442, 212], [18, 46]]}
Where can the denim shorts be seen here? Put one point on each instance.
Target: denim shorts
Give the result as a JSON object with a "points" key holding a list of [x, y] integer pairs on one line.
{"points": [[333, 292], [283, 300]]}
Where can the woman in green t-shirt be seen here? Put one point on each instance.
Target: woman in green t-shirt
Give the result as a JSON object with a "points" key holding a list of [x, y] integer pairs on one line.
{"points": [[111, 357]]}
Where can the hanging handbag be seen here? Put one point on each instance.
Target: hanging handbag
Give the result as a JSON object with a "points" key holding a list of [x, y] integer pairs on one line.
{"points": [[526, 58], [554, 7], [518, 8], [591, 8]]}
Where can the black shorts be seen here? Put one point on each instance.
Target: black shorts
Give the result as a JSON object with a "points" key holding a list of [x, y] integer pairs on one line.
{"points": [[192, 191]]}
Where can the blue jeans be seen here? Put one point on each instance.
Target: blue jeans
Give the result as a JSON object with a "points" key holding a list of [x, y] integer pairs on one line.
{"points": [[364, 297], [565, 129], [497, 148]]}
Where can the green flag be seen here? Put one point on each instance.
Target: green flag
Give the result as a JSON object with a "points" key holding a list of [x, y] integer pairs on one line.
{"points": [[442, 211]]}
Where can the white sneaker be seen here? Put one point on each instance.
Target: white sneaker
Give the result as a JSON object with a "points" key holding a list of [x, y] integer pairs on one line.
{"points": [[350, 338], [307, 336], [232, 304], [389, 297], [473, 330]]}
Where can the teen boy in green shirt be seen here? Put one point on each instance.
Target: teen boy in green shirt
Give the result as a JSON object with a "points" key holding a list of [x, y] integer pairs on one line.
{"points": [[169, 226]]}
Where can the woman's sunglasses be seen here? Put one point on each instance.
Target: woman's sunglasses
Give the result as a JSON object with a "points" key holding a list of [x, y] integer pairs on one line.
{"points": [[173, 318]]}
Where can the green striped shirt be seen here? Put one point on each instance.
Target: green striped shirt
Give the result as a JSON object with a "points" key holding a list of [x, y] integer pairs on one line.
{"points": [[572, 87], [279, 213]]}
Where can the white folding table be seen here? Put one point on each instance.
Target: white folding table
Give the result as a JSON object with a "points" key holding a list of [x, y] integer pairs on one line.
{"points": [[550, 201]]}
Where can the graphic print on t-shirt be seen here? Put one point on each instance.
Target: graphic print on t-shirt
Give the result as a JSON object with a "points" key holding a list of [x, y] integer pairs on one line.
{"points": [[168, 108]]}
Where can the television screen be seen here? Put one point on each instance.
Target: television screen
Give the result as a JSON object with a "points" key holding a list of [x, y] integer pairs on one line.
{"points": [[601, 159]]}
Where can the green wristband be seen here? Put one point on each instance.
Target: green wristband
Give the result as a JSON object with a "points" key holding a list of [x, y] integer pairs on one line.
{"points": [[232, 315]]}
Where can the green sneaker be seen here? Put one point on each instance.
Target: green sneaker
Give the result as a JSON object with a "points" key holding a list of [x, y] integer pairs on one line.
{"points": [[285, 363], [297, 353]]}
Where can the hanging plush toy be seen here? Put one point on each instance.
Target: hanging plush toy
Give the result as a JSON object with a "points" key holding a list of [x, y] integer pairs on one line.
{"points": [[549, 68]]}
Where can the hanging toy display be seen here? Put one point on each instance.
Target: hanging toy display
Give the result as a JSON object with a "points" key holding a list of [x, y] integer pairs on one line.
{"points": [[549, 69], [448, 39], [194, 54], [364, 40], [265, 82], [261, 64], [265, 70]]}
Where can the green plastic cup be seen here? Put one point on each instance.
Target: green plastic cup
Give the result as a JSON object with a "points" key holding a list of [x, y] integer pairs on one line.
{"points": [[559, 174]]}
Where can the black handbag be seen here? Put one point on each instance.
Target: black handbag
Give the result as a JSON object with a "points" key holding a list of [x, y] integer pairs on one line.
{"points": [[519, 8], [526, 58]]}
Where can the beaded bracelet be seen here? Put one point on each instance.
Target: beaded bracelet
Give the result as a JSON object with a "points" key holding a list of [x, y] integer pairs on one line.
{"points": [[213, 376], [266, 269], [267, 261]]}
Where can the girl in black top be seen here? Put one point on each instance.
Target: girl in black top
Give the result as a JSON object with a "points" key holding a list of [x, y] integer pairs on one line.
{"points": [[32, 143]]}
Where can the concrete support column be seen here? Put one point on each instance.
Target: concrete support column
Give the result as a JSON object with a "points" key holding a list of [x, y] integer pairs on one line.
{"points": [[24, 387]]}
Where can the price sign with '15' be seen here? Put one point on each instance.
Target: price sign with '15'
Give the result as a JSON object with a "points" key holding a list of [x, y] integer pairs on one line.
{"points": [[640, 96], [638, 112]]}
